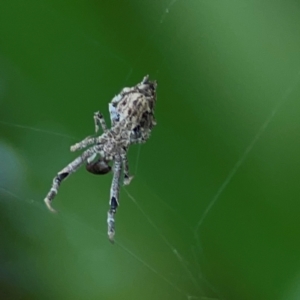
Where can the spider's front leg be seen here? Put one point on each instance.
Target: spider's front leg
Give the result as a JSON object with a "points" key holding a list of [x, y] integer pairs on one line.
{"points": [[99, 119], [88, 141], [114, 198], [83, 144], [65, 172], [127, 177]]}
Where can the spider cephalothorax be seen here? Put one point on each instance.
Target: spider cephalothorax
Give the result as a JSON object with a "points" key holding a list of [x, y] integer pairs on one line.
{"points": [[132, 119]]}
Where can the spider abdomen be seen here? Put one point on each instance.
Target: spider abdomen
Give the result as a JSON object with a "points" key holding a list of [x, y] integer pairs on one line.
{"points": [[99, 167]]}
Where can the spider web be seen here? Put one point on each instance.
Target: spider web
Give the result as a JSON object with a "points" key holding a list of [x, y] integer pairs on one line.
{"points": [[184, 276], [11, 195], [184, 263], [70, 219], [34, 202]]}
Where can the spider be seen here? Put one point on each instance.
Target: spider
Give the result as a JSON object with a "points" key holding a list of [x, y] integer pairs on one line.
{"points": [[132, 120]]}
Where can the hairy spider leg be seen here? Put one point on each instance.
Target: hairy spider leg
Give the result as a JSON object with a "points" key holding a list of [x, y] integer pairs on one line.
{"points": [[83, 144], [99, 120], [88, 141], [127, 177], [114, 198], [72, 167]]}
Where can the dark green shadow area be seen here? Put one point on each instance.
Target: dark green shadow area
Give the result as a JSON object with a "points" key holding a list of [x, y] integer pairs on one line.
{"points": [[213, 210]]}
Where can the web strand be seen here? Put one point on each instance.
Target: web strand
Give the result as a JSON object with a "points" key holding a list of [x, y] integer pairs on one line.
{"points": [[166, 241], [167, 10], [154, 270], [127, 250], [53, 133], [248, 149]]}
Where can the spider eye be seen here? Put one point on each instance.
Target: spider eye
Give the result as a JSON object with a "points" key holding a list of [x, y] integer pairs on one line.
{"points": [[137, 129], [99, 167]]}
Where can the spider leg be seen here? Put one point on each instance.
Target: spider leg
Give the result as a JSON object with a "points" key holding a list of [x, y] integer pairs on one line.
{"points": [[127, 177], [99, 120], [65, 172], [88, 141], [114, 198], [83, 144]]}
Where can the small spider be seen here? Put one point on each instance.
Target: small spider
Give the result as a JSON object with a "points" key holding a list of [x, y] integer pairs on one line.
{"points": [[132, 119]]}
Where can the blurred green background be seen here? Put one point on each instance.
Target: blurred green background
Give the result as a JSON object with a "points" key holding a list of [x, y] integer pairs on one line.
{"points": [[213, 210]]}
